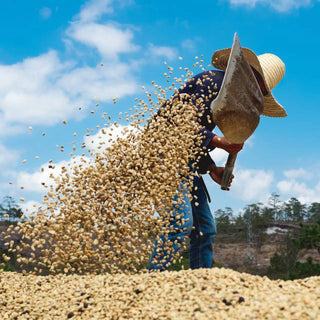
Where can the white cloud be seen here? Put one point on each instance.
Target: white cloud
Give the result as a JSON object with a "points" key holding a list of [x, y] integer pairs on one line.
{"points": [[293, 186], [94, 9], [219, 156], [300, 190], [108, 39], [107, 82], [28, 94], [252, 185], [162, 51], [7, 129], [44, 90], [7, 156], [45, 12], [278, 5], [297, 173]]}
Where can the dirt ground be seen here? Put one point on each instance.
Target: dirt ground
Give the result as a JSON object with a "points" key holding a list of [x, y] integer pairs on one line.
{"points": [[235, 255]]}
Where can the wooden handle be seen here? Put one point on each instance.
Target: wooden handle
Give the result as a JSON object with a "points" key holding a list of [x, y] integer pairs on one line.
{"points": [[227, 173]]}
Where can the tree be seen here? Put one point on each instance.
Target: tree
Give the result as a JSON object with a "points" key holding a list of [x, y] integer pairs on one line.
{"points": [[259, 216], [309, 237], [223, 219], [275, 203], [257, 220], [229, 212], [284, 259], [295, 210], [10, 208], [251, 216], [2, 212], [268, 214], [313, 212], [304, 269], [284, 263], [240, 226]]}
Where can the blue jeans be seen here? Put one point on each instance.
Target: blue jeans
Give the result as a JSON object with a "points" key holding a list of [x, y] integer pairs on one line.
{"points": [[195, 213]]}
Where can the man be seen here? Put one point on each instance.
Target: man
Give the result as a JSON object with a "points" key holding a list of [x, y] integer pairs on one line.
{"points": [[195, 218]]}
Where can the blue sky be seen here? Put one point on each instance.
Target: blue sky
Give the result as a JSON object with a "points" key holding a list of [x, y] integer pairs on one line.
{"points": [[50, 66]]}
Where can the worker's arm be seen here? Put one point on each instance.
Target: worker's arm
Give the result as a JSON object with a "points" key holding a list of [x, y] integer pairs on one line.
{"points": [[223, 143]]}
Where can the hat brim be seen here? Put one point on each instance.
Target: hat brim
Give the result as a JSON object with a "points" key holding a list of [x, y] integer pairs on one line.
{"points": [[271, 107]]}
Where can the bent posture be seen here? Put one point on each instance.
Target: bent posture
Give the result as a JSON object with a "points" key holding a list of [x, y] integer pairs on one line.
{"points": [[194, 218]]}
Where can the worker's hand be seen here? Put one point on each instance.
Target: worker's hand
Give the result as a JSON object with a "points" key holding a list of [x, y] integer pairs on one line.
{"points": [[216, 175], [223, 143]]}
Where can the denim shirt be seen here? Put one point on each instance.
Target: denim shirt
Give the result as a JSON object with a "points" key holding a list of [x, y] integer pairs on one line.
{"points": [[204, 87]]}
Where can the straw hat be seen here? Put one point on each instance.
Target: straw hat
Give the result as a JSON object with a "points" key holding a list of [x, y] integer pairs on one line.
{"points": [[269, 66]]}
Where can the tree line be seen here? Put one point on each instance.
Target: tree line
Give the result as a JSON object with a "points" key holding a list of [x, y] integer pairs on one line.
{"points": [[260, 216]]}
